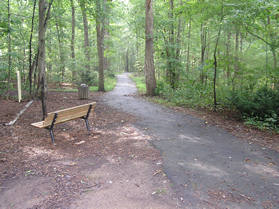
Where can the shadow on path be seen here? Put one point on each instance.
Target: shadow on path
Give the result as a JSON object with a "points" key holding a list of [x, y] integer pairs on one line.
{"points": [[208, 167]]}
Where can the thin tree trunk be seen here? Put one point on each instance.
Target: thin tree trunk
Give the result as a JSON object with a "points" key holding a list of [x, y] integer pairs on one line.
{"points": [[188, 46], [149, 59], [237, 51], [172, 65], [137, 44], [100, 44], [23, 63], [228, 48], [203, 48], [215, 59], [61, 51], [127, 60], [86, 42], [274, 59], [9, 48], [178, 47], [106, 32], [236, 58], [207, 53], [49, 64], [74, 73], [30, 50]]}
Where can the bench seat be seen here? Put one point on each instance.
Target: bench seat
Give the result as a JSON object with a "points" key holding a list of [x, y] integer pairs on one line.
{"points": [[64, 115]]}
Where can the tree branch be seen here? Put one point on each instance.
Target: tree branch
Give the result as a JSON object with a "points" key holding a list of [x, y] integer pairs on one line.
{"points": [[255, 35], [48, 13]]}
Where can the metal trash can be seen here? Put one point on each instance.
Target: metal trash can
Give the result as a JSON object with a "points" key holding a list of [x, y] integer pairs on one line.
{"points": [[83, 91]]}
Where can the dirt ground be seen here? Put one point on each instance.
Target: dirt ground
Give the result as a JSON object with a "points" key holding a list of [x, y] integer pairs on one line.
{"points": [[113, 167]]}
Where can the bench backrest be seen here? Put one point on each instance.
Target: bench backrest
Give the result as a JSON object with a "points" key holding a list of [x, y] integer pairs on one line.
{"points": [[68, 114]]}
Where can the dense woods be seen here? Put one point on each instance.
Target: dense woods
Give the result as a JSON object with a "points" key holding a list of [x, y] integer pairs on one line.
{"points": [[220, 54]]}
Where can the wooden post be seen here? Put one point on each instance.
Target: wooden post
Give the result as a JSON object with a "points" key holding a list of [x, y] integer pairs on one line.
{"points": [[18, 86]]}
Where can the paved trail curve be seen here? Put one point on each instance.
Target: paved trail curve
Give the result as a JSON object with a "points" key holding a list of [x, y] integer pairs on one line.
{"points": [[208, 167]]}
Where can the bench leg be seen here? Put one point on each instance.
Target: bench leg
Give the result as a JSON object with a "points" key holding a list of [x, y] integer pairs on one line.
{"points": [[51, 135], [85, 118], [50, 128], [87, 124]]}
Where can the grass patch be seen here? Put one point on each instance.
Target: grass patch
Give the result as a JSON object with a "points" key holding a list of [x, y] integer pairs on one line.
{"points": [[161, 101], [140, 83], [110, 83]]}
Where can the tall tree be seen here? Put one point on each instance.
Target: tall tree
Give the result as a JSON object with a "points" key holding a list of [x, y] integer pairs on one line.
{"points": [[215, 55], [44, 14], [60, 49], [73, 42], [149, 57], [188, 45], [100, 28], [9, 47], [31, 67], [85, 75]]}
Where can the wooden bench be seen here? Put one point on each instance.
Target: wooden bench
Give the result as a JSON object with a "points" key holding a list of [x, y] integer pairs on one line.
{"points": [[61, 116]]}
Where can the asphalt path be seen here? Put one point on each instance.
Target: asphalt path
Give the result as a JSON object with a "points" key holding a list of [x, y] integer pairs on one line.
{"points": [[207, 167]]}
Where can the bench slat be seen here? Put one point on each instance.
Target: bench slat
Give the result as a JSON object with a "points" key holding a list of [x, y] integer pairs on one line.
{"points": [[76, 107], [65, 115], [38, 124]]}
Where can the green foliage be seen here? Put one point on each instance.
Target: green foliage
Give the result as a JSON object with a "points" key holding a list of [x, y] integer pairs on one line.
{"points": [[140, 82], [110, 82], [185, 95], [260, 109], [263, 103], [270, 123]]}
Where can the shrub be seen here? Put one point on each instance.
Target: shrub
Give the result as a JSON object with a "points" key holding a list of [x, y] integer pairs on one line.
{"points": [[262, 106]]}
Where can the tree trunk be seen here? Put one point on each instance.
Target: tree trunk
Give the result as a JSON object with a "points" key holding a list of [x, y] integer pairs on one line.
{"points": [[274, 58], [215, 58], [30, 50], [236, 58], [23, 63], [137, 45], [106, 32], [188, 46], [86, 42], [49, 64], [127, 60], [228, 48], [171, 58], [203, 48], [9, 48], [177, 53], [74, 73], [43, 18], [149, 59], [61, 51], [100, 44]]}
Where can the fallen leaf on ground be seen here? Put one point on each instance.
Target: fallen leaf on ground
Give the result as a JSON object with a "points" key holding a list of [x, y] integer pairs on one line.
{"points": [[81, 142]]}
